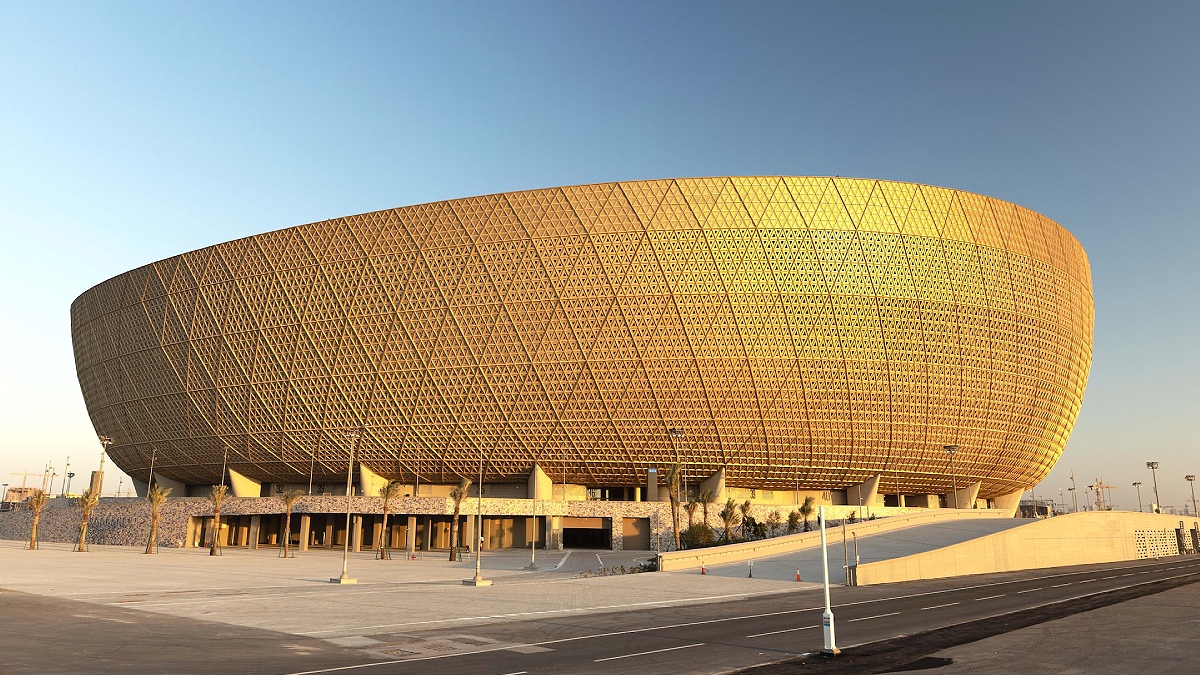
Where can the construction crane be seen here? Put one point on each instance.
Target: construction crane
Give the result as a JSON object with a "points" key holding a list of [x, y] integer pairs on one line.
{"points": [[1100, 499], [25, 477]]}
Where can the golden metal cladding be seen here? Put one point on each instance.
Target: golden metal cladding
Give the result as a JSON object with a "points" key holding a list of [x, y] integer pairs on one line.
{"points": [[799, 331]]}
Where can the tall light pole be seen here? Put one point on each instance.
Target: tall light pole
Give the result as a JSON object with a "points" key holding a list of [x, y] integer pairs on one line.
{"points": [[677, 434], [1138, 485], [953, 450], [827, 616], [1074, 499], [98, 483], [478, 580], [1153, 466], [355, 436], [1191, 479], [895, 467]]}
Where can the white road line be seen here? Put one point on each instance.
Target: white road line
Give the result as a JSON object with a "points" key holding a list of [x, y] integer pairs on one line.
{"points": [[990, 597], [1127, 575], [1112, 577], [652, 651], [1086, 581], [1030, 590], [877, 616], [777, 632], [600, 561], [948, 604], [519, 672], [1061, 585]]}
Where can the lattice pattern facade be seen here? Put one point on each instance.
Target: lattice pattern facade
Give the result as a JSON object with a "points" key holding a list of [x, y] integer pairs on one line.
{"points": [[800, 331]]}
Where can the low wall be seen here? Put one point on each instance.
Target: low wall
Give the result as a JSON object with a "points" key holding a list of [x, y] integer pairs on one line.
{"points": [[713, 555], [1073, 539]]}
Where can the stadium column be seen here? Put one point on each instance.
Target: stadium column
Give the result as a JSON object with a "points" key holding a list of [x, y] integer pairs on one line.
{"points": [[369, 482], [539, 486], [863, 495], [716, 483], [1009, 502], [140, 487], [252, 536], [177, 489], [305, 527], [356, 534], [243, 486], [651, 485], [965, 495], [410, 537]]}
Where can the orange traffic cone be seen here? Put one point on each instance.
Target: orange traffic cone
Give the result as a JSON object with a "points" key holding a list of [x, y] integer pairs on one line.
{"points": [[702, 570], [797, 574]]}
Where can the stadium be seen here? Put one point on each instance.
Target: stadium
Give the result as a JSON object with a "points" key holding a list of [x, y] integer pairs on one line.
{"points": [[774, 336]]}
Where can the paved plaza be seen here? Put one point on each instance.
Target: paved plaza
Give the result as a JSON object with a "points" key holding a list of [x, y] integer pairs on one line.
{"points": [[260, 590]]}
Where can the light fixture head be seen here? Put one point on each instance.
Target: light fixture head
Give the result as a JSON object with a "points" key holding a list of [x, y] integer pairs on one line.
{"points": [[950, 448], [1137, 483], [1151, 465], [106, 441], [1190, 476], [675, 433]]}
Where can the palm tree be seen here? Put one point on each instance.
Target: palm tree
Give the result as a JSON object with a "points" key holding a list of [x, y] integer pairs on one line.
{"points": [[793, 522], [806, 509], [691, 507], [289, 498], [706, 498], [217, 497], [37, 502], [745, 509], [389, 492], [88, 502], [458, 494], [156, 497], [774, 520], [729, 515], [674, 478]]}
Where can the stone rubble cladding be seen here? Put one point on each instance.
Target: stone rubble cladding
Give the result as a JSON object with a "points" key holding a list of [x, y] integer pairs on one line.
{"points": [[126, 521]]}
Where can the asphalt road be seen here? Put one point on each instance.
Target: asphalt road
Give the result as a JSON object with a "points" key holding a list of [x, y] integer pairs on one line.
{"points": [[44, 634], [733, 636]]}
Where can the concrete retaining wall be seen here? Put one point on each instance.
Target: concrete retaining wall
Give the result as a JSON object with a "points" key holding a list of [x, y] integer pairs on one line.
{"points": [[693, 558], [1073, 539]]}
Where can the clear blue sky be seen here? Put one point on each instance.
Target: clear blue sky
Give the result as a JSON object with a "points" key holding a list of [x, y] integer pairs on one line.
{"points": [[133, 132]]}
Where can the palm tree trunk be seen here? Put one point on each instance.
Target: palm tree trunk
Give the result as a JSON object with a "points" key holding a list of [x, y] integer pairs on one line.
{"points": [[83, 535], [33, 532], [675, 517], [216, 537], [153, 533], [454, 537], [287, 533], [384, 536]]}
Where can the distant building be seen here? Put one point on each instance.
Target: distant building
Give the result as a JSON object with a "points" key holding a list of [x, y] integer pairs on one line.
{"points": [[20, 494]]}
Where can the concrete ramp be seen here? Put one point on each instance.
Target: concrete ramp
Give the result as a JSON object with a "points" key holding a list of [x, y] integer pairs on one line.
{"points": [[872, 547]]}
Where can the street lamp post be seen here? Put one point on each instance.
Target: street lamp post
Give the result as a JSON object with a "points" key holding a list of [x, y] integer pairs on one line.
{"points": [[1191, 479], [677, 434], [1153, 466], [953, 450], [355, 436], [827, 616], [479, 580], [1138, 485], [1074, 499]]}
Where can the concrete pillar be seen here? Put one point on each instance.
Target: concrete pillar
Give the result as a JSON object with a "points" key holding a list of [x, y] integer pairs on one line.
{"points": [[410, 541], [965, 495], [243, 486], [469, 533], [651, 485], [140, 488], [863, 495], [716, 483], [177, 489], [637, 494], [329, 529], [377, 531], [356, 538], [369, 481], [1009, 502], [539, 486], [252, 535], [428, 540], [305, 531]]}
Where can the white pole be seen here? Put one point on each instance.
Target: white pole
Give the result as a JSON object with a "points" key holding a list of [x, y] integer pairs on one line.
{"points": [[827, 617]]}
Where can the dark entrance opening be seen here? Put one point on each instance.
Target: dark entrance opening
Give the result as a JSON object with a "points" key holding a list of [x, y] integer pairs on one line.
{"points": [[586, 537]]}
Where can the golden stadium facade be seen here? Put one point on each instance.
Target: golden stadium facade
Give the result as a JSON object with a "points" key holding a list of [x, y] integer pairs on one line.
{"points": [[809, 332]]}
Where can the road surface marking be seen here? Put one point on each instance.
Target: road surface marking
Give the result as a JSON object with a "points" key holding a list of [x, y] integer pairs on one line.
{"points": [[1112, 577], [1086, 581], [519, 672], [877, 616], [1061, 585], [601, 561], [777, 632], [652, 651], [990, 597], [1030, 590], [1127, 575], [948, 604]]}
